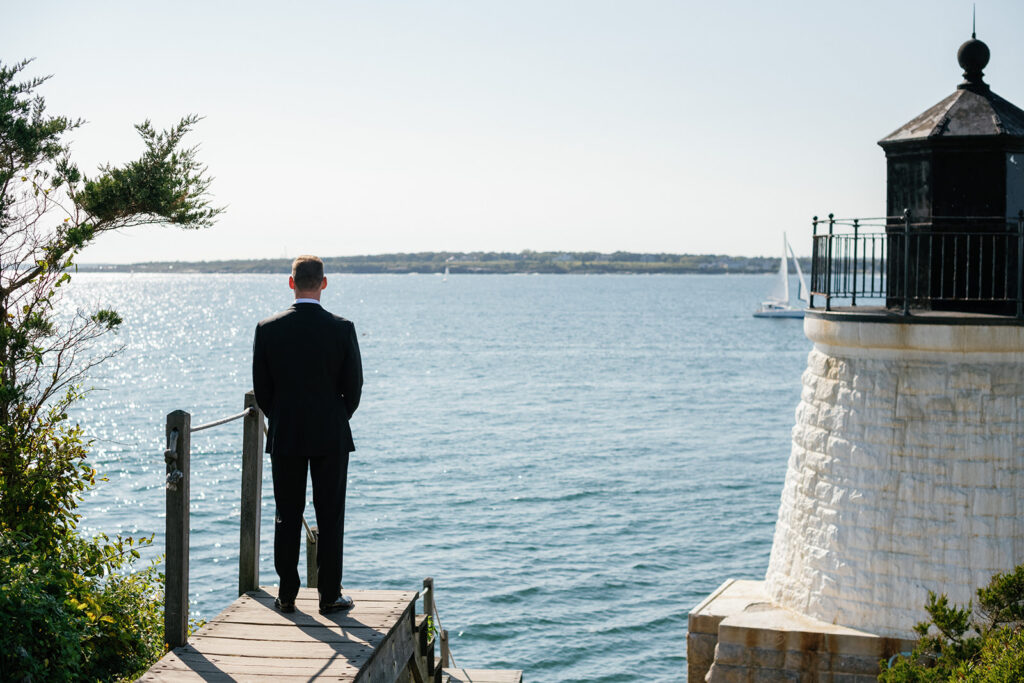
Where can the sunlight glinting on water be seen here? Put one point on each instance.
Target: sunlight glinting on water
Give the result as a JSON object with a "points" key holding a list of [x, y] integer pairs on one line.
{"points": [[576, 460]]}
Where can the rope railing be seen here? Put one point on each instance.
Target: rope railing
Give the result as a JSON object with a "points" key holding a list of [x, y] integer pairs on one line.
{"points": [[225, 420], [177, 456]]}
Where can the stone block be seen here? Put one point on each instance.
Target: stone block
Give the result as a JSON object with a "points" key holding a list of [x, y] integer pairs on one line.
{"points": [[910, 406], [970, 377], [967, 405], [983, 525], [723, 673], [851, 678], [864, 382], [921, 380], [700, 653], [734, 654], [798, 660], [856, 664], [992, 502], [817, 363], [878, 434], [885, 380], [999, 408], [1009, 527], [767, 658], [1010, 387], [774, 676], [825, 390], [943, 406]]}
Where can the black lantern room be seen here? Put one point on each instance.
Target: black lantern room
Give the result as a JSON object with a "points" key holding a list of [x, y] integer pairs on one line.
{"points": [[955, 193]]}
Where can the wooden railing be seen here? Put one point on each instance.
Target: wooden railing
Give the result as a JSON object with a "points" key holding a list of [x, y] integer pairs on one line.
{"points": [[177, 456], [179, 432]]}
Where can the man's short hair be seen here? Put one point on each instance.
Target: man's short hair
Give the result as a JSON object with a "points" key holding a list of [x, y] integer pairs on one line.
{"points": [[308, 272]]}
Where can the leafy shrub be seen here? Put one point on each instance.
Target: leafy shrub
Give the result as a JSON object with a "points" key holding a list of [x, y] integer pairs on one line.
{"points": [[982, 644], [67, 622], [71, 608]]}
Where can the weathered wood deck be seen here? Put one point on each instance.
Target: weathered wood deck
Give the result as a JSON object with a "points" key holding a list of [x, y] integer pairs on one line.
{"points": [[381, 640], [251, 641]]}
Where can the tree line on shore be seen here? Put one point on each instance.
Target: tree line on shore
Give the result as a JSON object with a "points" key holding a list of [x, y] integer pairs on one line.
{"points": [[477, 262]]}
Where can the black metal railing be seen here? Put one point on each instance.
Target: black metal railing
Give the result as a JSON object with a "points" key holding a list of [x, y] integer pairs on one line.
{"points": [[973, 264]]}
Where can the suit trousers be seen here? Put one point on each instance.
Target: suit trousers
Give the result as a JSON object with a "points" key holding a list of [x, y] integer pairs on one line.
{"points": [[329, 475]]}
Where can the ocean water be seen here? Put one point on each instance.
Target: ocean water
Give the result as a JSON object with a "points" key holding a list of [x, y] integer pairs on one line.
{"points": [[576, 460]]}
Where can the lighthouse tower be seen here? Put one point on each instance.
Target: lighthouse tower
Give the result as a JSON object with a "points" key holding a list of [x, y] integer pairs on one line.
{"points": [[907, 466]]}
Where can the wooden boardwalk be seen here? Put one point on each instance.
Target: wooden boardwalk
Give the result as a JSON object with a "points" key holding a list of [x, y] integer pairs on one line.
{"points": [[380, 640], [251, 641]]}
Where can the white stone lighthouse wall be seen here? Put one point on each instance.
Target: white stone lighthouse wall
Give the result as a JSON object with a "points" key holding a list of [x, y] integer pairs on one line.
{"points": [[906, 473]]}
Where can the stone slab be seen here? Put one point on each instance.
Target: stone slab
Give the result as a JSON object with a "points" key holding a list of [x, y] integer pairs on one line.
{"points": [[755, 639]]}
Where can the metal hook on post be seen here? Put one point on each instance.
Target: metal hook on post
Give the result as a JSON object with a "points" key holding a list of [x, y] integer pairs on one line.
{"points": [[175, 476]]}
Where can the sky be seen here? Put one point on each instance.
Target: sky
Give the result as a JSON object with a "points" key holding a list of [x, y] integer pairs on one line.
{"points": [[343, 128]]}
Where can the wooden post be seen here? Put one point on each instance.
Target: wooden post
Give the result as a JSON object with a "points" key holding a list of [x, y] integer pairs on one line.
{"points": [[446, 654], [179, 424], [428, 598], [252, 490], [312, 540]]}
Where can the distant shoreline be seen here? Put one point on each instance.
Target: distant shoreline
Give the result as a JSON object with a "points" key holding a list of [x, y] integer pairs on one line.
{"points": [[477, 263]]}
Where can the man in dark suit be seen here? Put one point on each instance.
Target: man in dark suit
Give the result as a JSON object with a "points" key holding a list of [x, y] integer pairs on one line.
{"points": [[308, 376]]}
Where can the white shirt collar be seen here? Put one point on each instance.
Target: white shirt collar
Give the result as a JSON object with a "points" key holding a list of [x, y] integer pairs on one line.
{"points": [[307, 301]]}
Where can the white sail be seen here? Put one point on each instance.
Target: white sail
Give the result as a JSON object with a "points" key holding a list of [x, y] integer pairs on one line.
{"points": [[802, 293], [780, 292], [777, 305]]}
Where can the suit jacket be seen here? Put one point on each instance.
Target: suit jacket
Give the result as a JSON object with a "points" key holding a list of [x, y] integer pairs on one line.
{"points": [[307, 375]]}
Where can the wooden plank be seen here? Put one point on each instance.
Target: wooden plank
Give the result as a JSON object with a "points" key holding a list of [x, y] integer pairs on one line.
{"points": [[212, 645], [182, 676], [187, 659], [251, 640], [312, 606], [291, 633], [247, 610], [390, 658], [484, 675], [243, 615], [270, 592], [307, 607]]}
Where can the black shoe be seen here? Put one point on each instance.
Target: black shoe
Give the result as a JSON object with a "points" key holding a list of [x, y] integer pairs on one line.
{"points": [[343, 602], [282, 606]]}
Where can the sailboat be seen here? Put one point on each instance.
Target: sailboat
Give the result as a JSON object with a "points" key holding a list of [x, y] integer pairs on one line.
{"points": [[777, 304]]}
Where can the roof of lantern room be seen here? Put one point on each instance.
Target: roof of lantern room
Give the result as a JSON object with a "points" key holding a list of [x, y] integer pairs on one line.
{"points": [[972, 111]]}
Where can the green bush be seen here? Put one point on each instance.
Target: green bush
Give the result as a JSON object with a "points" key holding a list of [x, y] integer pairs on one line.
{"points": [[978, 644], [71, 608], [67, 622]]}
